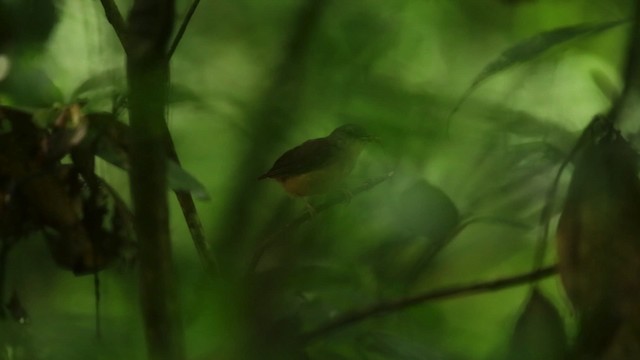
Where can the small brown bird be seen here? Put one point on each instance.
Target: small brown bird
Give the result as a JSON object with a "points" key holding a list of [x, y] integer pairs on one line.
{"points": [[319, 165]]}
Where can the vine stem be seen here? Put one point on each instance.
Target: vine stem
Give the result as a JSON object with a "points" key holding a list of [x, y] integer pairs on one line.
{"points": [[183, 28], [385, 308]]}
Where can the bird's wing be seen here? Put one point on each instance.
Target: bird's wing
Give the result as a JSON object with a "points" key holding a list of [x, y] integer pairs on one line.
{"points": [[308, 156]]}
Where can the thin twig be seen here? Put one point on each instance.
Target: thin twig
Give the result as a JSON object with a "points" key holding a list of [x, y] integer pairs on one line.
{"points": [[547, 210], [183, 28], [190, 213], [384, 308], [277, 236], [191, 216], [437, 246], [185, 199], [116, 20]]}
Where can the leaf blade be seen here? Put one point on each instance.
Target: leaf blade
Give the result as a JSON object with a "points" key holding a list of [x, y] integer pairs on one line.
{"points": [[530, 49]]}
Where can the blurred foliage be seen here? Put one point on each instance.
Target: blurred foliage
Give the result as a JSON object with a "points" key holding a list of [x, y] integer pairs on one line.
{"points": [[539, 332], [462, 206], [594, 270]]}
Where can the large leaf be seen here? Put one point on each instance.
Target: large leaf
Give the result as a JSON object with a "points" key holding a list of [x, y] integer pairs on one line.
{"points": [[533, 47], [113, 81], [182, 94], [179, 179], [425, 210], [597, 243], [26, 85], [108, 79], [539, 332], [430, 216]]}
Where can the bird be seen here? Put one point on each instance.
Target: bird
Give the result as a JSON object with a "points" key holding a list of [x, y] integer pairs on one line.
{"points": [[318, 166]]}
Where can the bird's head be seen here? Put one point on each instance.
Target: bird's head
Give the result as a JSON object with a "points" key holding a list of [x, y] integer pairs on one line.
{"points": [[352, 134]]}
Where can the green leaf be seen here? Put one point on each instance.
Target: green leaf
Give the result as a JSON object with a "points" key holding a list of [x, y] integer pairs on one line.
{"points": [[606, 85], [539, 332], [111, 78], [112, 146], [180, 180], [183, 94], [533, 47], [114, 81], [426, 219], [112, 154], [425, 210], [26, 85]]}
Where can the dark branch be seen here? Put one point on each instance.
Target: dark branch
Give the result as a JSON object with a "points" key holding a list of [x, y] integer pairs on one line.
{"points": [[183, 28], [196, 230], [275, 237], [187, 205], [150, 26], [191, 217], [184, 198], [356, 316], [549, 205], [437, 246], [116, 20]]}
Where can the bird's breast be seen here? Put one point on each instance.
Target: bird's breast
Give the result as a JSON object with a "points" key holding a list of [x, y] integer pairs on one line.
{"points": [[317, 181]]}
